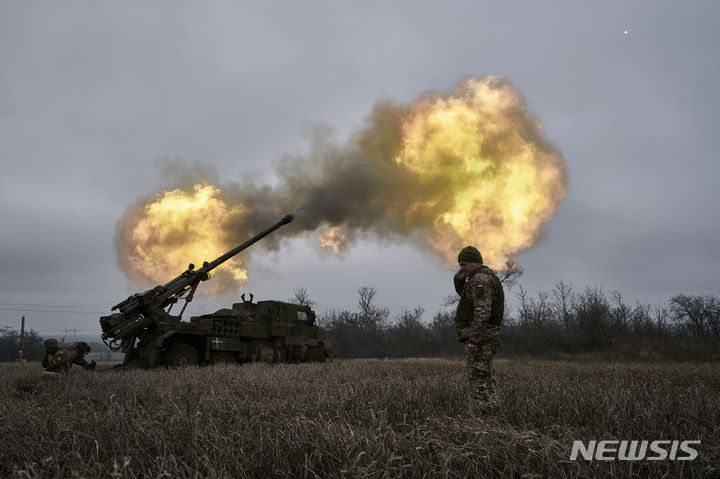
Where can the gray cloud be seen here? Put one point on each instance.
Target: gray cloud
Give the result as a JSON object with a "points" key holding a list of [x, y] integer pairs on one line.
{"points": [[92, 95]]}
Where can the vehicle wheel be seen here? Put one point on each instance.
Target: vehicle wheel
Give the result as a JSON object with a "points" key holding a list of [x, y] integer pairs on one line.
{"points": [[315, 354], [223, 357], [180, 355]]}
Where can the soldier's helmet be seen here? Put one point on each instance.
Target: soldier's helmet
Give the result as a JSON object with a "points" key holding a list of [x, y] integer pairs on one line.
{"points": [[80, 346], [51, 344]]}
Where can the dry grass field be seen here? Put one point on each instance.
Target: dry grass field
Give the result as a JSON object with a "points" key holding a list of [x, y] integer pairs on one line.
{"points": [[354, 418]]}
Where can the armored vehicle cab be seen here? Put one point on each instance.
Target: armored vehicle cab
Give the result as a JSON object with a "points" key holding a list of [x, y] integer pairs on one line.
{"points": [[268, 331]]}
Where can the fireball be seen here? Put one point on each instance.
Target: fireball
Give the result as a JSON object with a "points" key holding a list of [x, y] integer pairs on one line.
{"points": [[177, 227], [501, 183]]}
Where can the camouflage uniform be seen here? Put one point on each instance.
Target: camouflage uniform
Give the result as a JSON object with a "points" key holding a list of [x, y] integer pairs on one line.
{"points": [[478, 319], [77, 352], [55, 360]]}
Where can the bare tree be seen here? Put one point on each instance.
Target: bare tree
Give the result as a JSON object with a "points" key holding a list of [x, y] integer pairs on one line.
{"points": [[451, 299], [641, 319], [442, 327], [620, 313], [592, 311], [699, 312], [510, 276], [563, 295], [660, 316], [372, 317], [525, 307], [409, 321], [302, 297]]}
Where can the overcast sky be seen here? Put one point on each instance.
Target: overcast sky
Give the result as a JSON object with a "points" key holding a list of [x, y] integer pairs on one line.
{"points": [[93, 94]]}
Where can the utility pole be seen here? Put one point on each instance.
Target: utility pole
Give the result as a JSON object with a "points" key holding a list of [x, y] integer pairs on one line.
{"points": [[22, 340]]}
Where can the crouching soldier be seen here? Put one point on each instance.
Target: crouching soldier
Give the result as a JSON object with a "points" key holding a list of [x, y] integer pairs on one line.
{"points": [[56, 360], [77, 352]]}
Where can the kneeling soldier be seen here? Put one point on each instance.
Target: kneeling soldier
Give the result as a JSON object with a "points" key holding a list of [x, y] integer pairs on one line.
{"points": [[77, 352], [55, 360]]}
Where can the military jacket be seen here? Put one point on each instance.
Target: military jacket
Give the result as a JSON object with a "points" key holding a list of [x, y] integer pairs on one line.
{"points": [[56, 362], [481, 307], [77, 357], [77, 352]]}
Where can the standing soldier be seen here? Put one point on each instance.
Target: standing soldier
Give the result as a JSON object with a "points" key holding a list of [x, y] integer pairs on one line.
{"points": [[56, 360], [77, 352], [478, 319]]}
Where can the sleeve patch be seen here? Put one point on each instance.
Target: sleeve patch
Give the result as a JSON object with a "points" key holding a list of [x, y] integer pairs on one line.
{"points": [[480, 290]]}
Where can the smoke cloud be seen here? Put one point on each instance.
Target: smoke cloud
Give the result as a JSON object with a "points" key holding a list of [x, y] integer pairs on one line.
{"points": [[448, 169]]}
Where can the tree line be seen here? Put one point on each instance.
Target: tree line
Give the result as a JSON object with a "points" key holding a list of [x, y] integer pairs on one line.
{"points": [[565, 320], [560, 322], [10, 345]]}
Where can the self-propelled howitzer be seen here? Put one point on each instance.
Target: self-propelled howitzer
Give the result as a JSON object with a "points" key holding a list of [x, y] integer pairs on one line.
{"points": [[141, 313]]}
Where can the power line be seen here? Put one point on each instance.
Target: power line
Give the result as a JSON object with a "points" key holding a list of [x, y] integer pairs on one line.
{"points": [[52, 311], [47, 305]]}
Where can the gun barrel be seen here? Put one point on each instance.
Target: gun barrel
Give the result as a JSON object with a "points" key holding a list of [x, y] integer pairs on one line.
{"points": [[217, 262]]}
